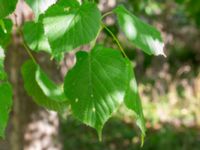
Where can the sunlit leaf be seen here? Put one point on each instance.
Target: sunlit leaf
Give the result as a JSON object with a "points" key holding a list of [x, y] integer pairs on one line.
{"points": [[39, 6], [96, 86], [7, 7], [133, 101], [3, 75], [5, 32], [42, 89], [140, 33], [35, 37], [69, 25], [5, 106]]}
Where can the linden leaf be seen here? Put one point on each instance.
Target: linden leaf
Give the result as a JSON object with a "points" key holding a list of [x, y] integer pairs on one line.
{"points": [[69, 25], [96, 86], [140, 33]]}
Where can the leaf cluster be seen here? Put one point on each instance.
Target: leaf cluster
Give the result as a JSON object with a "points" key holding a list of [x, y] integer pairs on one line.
{"points": [[101, 80]]}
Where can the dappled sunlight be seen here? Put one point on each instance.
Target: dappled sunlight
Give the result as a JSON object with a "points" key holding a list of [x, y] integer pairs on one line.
{"points": [[46, 3], [40, 6], [133, 85], [51, 92], [129, 27], [2, 55], [177, 104], [60, 24], [154, 44], [101, 75], [141, 34], [41, 131], [118, 95]]}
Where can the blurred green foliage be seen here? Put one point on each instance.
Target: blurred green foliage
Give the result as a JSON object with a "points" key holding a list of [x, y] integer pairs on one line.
{"points": [[120, 135], [169, 86]]}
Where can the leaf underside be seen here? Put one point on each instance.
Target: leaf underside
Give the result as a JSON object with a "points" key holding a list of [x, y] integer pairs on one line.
{"points": [[44, 92], [3, 75]]}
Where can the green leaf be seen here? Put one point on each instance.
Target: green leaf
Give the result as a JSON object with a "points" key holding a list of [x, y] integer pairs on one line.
{"points": [[44, 92], [140, 33], [5, 106], [7, 7], [96, 86], [49, 88], [40, 6], [35, 38], [3, 75], [2, 25], [69, 25], [5, 32], [133, 101]]}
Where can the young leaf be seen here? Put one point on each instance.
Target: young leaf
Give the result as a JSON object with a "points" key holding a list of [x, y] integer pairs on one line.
{"points": [[5, 31], [7, 7], [42, 89], [35, 37], [40, 6], [96, 85], [140, 33], [69, 25], [132, 99], [5, 106]]}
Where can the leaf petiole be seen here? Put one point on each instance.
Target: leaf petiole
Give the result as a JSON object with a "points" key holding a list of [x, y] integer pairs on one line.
{"points": [[106, 14], [115, 39], [26, 47], [93, 43]]}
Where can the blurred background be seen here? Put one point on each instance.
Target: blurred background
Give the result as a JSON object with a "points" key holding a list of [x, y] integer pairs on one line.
{"points": [[169, 87]]}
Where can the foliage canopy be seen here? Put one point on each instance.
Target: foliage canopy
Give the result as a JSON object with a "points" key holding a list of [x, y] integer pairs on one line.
{"points": [[101, 79]]}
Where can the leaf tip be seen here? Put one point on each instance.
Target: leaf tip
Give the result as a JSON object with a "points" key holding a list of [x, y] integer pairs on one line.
{"points": [[142, 139], [162, 54], [158, 47], [99, 132]]}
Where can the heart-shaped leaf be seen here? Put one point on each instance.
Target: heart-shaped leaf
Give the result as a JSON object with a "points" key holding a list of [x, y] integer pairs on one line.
{"points": [[69, 25], [140, 33], [96, 86]]}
